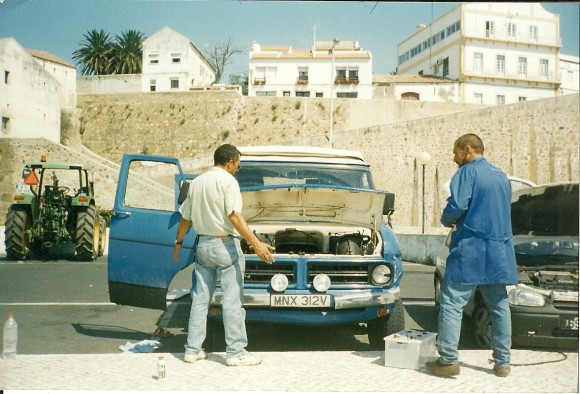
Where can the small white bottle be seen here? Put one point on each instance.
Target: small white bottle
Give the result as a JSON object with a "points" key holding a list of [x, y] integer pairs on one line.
{"points": [[10, 338], [161, 368]]}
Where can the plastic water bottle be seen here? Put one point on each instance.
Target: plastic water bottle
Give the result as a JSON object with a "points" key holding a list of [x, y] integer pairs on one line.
{"points": [[161, 368], [10, 337]]}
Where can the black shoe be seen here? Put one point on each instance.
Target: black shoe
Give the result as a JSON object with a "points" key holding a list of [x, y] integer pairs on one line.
{"points": [[437, 368]]}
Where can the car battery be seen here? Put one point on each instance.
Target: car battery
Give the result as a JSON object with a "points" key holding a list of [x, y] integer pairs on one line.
{"points": [[410, 349]]}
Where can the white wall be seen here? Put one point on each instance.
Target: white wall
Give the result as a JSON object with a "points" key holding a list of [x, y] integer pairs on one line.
{"points": [[30, 97], [67, 77], [109, 84]]}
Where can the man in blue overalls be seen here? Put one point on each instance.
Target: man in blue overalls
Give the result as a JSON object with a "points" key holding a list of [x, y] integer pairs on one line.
{"points": [[481, 253]]}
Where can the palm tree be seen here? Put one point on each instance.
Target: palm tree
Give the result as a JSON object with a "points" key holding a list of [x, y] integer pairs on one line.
{"points": [[94, 55], [128, 52]]}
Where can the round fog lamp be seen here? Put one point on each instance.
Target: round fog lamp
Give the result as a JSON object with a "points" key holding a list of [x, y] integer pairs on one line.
{"points": [[381, 275], [279, 282], [321, 282]]}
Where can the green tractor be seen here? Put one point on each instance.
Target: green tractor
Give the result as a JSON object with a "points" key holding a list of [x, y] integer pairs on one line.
{"points": [[54, 207]]}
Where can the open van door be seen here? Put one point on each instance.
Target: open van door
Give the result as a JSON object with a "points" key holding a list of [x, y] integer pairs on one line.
{"points": [[142, 232]]}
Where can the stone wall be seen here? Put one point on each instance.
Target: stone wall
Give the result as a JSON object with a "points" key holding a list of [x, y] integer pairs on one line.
{"points": [[536, 140]]}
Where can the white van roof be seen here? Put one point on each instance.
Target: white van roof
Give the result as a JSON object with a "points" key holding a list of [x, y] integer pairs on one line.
{"points": [[301, 153]]}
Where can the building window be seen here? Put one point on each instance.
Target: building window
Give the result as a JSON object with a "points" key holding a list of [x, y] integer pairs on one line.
{"points": [[511, 29], [153, 59], [533, 33], [522, 66], [477, 98], [341, 73], [410, 96], [353, 74], [544, 68], [5, 125], [266, 93], [174, 83], [522, 99], [347, 95], [302, 75], [489, 29], [478, 62], [152, 85], [500, 64], [176, 58], [319, 94], [286, 93], [445, 66], [500, 99], [6, 76], [303, 94]]}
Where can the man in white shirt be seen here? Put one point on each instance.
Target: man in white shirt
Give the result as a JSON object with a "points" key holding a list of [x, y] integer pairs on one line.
{"points": [[213, 206]]}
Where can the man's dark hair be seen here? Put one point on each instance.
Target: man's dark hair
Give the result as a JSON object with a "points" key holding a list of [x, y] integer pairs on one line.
{"points": [[471, 140], [225, 153]]}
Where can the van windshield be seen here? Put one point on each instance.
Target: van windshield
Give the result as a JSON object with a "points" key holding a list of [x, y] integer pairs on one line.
{"points": [[256, 174]]}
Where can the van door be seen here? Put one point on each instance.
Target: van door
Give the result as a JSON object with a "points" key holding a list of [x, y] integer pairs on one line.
{"points": [[142, 232]]}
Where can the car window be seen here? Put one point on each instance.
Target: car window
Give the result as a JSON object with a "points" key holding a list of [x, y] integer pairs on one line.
{"points": [[150, 185], [271, 174]]}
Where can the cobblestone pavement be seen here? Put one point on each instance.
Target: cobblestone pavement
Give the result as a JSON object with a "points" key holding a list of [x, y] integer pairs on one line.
{"points": [[532, 371]]}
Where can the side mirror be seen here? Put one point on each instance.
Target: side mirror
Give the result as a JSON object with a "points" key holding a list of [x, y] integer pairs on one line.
{"points": [[183, 190], [389, 205]]}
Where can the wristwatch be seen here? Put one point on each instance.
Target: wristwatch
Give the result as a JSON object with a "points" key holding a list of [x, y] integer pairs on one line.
{"points": [[178, 242]]}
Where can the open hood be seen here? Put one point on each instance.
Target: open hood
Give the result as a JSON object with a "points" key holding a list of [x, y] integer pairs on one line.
{"points": [[307, 204]]}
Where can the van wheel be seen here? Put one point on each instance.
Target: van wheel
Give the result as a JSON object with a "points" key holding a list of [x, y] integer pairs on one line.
{"points": [[481, 325], [382, 327]]}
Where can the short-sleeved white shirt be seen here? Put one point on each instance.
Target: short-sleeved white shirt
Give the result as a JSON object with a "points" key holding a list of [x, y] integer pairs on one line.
{"points": [[212, 197]]}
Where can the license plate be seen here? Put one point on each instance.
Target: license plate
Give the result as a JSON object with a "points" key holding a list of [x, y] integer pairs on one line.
{"points": [[300, 300], [569, 323]]}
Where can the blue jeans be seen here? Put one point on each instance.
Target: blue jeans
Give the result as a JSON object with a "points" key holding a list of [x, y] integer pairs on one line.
{"points": [[225, 258], [453, 299]]}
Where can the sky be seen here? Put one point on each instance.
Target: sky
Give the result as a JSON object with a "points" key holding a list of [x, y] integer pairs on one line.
{"points": [[58, 26]]}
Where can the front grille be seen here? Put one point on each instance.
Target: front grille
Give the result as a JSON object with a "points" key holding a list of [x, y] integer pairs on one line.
{"points": [[565, 305], [259, 272], [341, 274]]}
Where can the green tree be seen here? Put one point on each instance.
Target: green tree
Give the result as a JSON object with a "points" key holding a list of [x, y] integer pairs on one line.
{"points": [[242, 80], [128, 52], [219, 56], [95, 53]]}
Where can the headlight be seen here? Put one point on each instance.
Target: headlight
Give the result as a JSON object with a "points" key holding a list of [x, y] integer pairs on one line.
{"points": [[321, 282], [279, 282], [524, 296], [381, 275]]}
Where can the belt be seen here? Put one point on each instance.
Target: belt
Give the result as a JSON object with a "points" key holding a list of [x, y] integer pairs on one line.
{"points": [[217, 236]]}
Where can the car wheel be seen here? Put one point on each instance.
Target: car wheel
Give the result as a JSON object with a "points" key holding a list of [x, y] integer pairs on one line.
{"points": [[481, 325], [437, 291], [382, 327]]}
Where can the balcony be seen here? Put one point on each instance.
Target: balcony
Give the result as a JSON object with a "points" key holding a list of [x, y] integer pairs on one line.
{"points": [[302, 81], [346, 81], [259, 81]]}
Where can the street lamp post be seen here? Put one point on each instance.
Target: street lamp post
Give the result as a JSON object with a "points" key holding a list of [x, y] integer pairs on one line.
{"points": [[335, 42], [423, 158]]}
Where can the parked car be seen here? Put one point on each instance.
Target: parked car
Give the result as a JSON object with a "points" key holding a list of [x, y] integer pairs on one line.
{"points": [[337, 259], [544, 304]]}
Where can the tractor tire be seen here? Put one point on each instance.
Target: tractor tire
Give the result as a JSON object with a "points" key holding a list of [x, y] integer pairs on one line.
{"points": [[17, 234], [87, 234], [384, 326], [102, 235]]}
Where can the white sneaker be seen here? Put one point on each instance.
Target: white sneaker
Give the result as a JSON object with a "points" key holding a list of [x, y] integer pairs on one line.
{"points": [[243, 361], [191, 358]]}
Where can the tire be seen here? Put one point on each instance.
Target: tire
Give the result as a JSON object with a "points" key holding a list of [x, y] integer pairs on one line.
{"points": [[379, 328], [17, 234], [481, 325], [87, 234], [215, 336], [437, 286]]}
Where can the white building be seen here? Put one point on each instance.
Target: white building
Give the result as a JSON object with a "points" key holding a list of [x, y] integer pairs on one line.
{"points": [[63, 72], [30, 96], [329, 69], [500, 53], [415, 87], [569, 74], [173, 63]]}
